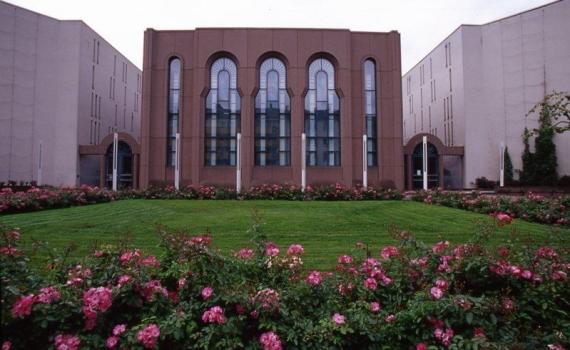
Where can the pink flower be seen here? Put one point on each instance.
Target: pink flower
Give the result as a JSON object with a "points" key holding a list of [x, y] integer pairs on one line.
{"points": [[23, 306], [502, 218], [10, 251], [345, 259], [127, 257], [295, 249], [526, 274], [96, 300], [338, 319], [267, 298], [181, 283], [202, 241], [112, 342], [148, 336], [151, 288], [123, 280], [271, 249], [387, 252], [436, 293], [370, 283], [214, 315], [67, 342], [421, 346], [98, 253], [559, 275], [508, 304], [556, 347], [48, 295], [314, 278], [390, 318], [270, 341], [245, 253], [440, 246], [441, 284], [479, 332], [207, 292], [444, 337], [6, 345], [375, 306], [150, 261], [119, 329]]}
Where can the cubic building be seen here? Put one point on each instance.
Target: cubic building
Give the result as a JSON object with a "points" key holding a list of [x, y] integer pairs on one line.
{"points": [[469, 96], [64, 91], [247, 102]]}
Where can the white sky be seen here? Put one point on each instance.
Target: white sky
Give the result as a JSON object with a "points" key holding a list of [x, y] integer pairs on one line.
{"points": [[421, 23]]}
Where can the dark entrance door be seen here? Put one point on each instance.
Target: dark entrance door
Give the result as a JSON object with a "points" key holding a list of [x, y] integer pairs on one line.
{"points": [[433, 167], [124, 166]]}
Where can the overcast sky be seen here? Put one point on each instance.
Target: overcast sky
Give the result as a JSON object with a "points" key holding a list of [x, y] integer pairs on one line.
{"points": [[421, 23]]}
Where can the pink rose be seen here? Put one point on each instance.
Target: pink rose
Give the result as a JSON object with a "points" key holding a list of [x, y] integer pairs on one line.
{"points": [[112, 342], [338, 319], [375, 306], [148, 336], [370, 283], [23, 306], [436, 293], [295, 249], [207, 292], [314, 278], [67, 342], [270, 341]]}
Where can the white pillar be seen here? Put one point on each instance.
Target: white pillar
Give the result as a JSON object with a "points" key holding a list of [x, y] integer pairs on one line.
{"points": [[425, 163], [502, 165], [364, 161], [40, 156], [238, 163], [177, 162], [303, 162], [115, 159]]}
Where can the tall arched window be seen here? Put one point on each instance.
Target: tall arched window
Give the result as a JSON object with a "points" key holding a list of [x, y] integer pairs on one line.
{"points": [[272, 115], [222, 114], [173, 109], [322, 116], [370, 110]]}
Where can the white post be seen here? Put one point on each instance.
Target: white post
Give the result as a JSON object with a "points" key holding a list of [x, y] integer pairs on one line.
{"points": [[364, 162], [502, 165], [425, 163], [177, 162], [238, 163], [303, 161], [40, 156], [115, 159]]}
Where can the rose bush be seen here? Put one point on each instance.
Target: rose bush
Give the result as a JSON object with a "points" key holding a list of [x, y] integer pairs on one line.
{"points": [[405, 296], [532, 207]]}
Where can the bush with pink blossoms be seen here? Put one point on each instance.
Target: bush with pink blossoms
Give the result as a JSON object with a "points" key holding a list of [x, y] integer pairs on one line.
{"points": [[405, 296], [544, 210]]}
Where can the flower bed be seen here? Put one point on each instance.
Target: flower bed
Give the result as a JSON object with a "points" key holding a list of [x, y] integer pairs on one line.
{"points": [[532, 207], [405, 296], [49, 198]]}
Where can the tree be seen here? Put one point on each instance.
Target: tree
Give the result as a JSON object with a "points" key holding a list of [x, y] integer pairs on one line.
{"points": [[555, 107], [508, 167]]}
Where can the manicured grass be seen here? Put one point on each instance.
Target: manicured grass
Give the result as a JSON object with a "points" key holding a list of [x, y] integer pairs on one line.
{"points": [[325, 229]]}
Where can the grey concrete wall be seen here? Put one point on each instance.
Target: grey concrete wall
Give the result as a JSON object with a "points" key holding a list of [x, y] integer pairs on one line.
{"points": [[505, 68], [45, 95]]}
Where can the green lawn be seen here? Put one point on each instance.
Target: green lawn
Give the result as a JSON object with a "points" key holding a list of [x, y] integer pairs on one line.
{"points": [[325, 229]]}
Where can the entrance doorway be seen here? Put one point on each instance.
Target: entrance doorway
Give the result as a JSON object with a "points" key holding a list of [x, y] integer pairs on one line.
{"points": [[124, 166], [432, 167]]}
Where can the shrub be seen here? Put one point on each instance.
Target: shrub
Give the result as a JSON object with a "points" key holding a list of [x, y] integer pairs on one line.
{"points": [[531, 207], [484, 183], [459, 296]]}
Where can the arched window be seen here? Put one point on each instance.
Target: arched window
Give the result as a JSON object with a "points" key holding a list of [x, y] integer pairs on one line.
{"points": [[272, 116], [322, 116], [173, 109], [370, 110], [222, 114]]}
